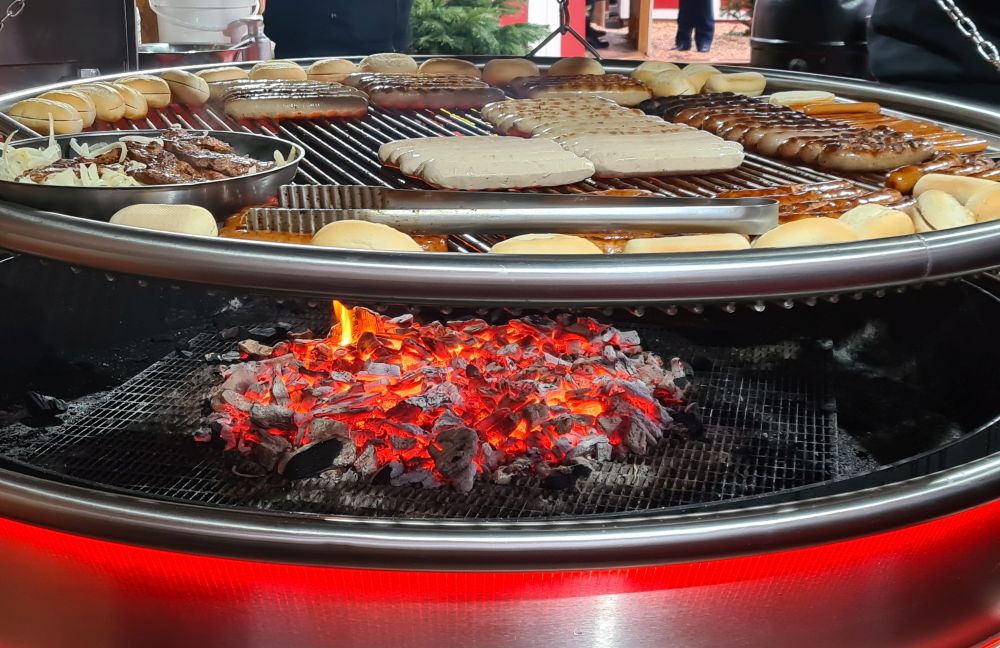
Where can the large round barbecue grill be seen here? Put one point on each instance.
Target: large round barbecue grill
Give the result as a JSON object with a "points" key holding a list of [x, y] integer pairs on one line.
{"points": [[839, 489]]}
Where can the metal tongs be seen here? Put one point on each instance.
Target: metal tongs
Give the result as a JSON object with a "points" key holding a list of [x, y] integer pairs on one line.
{"points": [[305, 209]]}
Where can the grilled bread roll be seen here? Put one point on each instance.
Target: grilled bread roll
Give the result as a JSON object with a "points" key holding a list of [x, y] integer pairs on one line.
{"points": [[649, 69], [873, 221], [574, 66], [985, 204], [499, 72], [449, 66], [186, 87], [750, 84], [797, 98], [362, 235], [108, 102], [136, 106], [230, 73], [331, 70], [698, 73], [34, 113], [154, 89], [657, 66], [390, 62], [222, 79], [180, 219], [277, 71], [689, 243], [545, 244], [941, 210], [809, 231], [84, 104], [961, 187], [671, 83]]}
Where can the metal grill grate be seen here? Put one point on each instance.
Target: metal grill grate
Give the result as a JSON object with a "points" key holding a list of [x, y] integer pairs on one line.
{"points": [[343, 151], [770, 426]]}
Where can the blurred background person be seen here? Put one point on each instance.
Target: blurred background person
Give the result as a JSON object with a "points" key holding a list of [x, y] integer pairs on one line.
{"points": [[304, 28], [695, 16], [915, 43]]}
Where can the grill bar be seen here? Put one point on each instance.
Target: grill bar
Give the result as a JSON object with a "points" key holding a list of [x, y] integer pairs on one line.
{"points": [[344, 151]]}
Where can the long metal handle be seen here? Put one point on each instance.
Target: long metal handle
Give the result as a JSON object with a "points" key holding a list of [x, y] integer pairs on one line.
{"points": [[667, 216]]}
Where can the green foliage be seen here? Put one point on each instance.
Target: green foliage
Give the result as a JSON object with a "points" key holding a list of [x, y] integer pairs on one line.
{"points": [[469, 27]]}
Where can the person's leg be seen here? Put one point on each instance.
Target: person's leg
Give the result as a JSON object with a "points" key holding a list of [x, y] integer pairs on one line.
{"points": [[704, 27], [684, 25]]}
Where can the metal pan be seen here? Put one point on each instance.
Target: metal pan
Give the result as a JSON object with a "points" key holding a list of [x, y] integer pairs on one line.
{"points": [[221, 197]]}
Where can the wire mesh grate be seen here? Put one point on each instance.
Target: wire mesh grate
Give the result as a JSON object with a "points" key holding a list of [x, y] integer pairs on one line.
{"points": [[770, 425], [344, 151]]}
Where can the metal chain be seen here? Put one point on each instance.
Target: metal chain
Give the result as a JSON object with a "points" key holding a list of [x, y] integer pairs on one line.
{"points": [[968, 28], [14, 9]]}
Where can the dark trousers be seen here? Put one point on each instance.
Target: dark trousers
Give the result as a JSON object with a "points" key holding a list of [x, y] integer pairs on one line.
{"points": [[696, 16]]}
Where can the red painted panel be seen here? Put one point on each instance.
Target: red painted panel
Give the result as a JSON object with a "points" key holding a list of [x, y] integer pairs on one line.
{"points": [[931, 585], [578, 20], [666, 4], [520, 17]]}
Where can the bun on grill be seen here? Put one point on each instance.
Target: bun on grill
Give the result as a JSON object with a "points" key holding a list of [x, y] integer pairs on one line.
{"points": [[875, 221], [331, 70], [658, 66], [180, 219], [277, 70], [34, 113], [671, 83], [961, 187], [808, 231], [941, 210], [109, 103], [83, 104], [136, 106], [698, 73], [154, 89], [363, 235], [649, 69], [391, 62], [230, 73], [689, 243], [985, 204], [186, 87], [449, 66], [499, 72], [545, 244], [795, 98], [575, 65], [751, 84]]}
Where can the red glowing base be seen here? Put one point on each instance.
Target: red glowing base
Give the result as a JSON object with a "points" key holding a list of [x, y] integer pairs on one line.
{"points": [[934, 584]]}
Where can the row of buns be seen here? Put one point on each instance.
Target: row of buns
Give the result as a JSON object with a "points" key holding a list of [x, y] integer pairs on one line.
{"points": [[130, 97], [967, 203]]}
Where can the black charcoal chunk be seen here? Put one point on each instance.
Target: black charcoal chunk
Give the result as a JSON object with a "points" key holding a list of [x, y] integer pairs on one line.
{"points": [[311, 459], [42, 406]]}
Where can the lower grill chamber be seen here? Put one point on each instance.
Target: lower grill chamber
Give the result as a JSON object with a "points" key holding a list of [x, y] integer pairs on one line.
{"points": [[795, 403]]}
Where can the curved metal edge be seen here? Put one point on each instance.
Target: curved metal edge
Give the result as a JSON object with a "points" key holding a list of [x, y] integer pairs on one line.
{"points": [[513, 280], [557, 545]]}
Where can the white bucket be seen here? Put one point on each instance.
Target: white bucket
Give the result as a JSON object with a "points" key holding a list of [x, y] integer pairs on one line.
{"points": [[199, 21]]}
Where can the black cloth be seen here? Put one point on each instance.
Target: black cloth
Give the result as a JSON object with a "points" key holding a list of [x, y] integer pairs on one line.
{"points": [[696, 16], [914, 43], [304, 28]]}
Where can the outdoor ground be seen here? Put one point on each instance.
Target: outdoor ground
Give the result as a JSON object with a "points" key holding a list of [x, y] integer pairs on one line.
{"points": [[731, 45]]}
